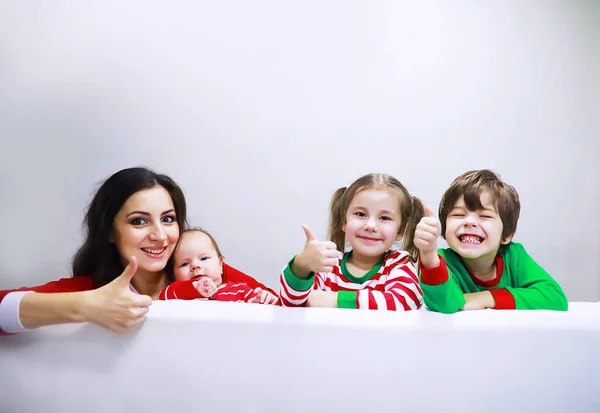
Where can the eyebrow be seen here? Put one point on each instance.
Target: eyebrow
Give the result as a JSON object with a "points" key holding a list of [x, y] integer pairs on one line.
{"points": [[384, 211], [464, 208], [147, 214]]}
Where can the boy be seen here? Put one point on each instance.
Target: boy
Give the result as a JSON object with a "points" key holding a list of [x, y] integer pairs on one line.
{"points": [[482, 268]]}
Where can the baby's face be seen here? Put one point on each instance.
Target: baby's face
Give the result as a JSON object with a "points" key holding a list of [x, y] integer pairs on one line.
{"points": [[196, 256]]}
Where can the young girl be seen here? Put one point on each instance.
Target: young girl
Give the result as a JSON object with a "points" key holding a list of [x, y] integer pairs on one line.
{"points": [[197, 268], [372, 214]]}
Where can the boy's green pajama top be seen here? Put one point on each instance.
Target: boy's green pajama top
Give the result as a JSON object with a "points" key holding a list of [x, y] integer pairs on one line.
{"points": [[520, 283]]}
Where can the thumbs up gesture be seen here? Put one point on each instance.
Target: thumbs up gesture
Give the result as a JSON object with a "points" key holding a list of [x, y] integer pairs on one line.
{"points": [[115, 306], [317, 256], [426, 235]]}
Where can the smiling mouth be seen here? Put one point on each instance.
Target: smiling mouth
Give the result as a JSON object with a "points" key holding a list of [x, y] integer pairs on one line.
{"points": [[470, 239], [368, 239], [154, 251]]}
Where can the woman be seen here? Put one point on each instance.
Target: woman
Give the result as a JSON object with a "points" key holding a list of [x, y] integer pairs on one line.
{"points": [[132, 226]]}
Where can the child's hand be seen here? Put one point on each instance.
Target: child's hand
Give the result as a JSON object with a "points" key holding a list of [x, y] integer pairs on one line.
{"points": [[317, 256], [319, 298], [263, 297], [205, 286], [426, 235], [479, 301]]}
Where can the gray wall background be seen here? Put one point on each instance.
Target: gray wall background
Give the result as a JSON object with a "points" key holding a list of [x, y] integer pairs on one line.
{"points": [[260, 110]]}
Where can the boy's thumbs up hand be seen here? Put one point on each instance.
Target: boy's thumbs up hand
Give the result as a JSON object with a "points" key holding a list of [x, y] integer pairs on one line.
{"points": [[426, 235], [429, 212]]}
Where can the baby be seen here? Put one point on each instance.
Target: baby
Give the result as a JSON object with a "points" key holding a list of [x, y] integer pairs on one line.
{"points": [[197, 267]]}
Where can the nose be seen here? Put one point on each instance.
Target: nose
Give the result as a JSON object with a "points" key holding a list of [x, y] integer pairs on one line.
{"points": [[371, 225], [470, 220], [158, 233], [196, 267]]}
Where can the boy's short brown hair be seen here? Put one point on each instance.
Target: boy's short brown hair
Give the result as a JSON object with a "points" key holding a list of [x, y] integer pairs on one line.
{"points": [[471, 185]]}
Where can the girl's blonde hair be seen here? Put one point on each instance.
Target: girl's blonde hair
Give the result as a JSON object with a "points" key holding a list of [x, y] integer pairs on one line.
{"points": [[411, 209]]}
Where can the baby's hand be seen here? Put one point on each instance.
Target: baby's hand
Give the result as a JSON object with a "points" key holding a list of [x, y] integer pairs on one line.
{"points": [[206, 287], [263, 297], [426, 235]]}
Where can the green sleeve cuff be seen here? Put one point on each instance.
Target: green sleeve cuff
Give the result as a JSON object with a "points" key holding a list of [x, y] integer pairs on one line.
{"points": [[347, 299], [298, 284]]}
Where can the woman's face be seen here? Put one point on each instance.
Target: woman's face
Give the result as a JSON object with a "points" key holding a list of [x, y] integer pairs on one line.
{"points": [[146, 227]]}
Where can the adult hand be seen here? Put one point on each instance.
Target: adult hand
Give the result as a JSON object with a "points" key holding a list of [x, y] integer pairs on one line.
{"points": [[115, 306]]}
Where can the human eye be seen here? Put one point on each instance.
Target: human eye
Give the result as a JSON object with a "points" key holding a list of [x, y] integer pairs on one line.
{"points": [[138, 221], [360, 214], [169, 219], [385, 218], [185, 264], [204, 258]]}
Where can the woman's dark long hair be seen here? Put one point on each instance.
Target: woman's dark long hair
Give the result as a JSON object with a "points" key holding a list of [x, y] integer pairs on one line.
{"points": [[98, 257]]}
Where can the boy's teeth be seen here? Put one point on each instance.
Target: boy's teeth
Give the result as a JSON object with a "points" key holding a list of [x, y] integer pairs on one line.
{"points": [[471, 239]]}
